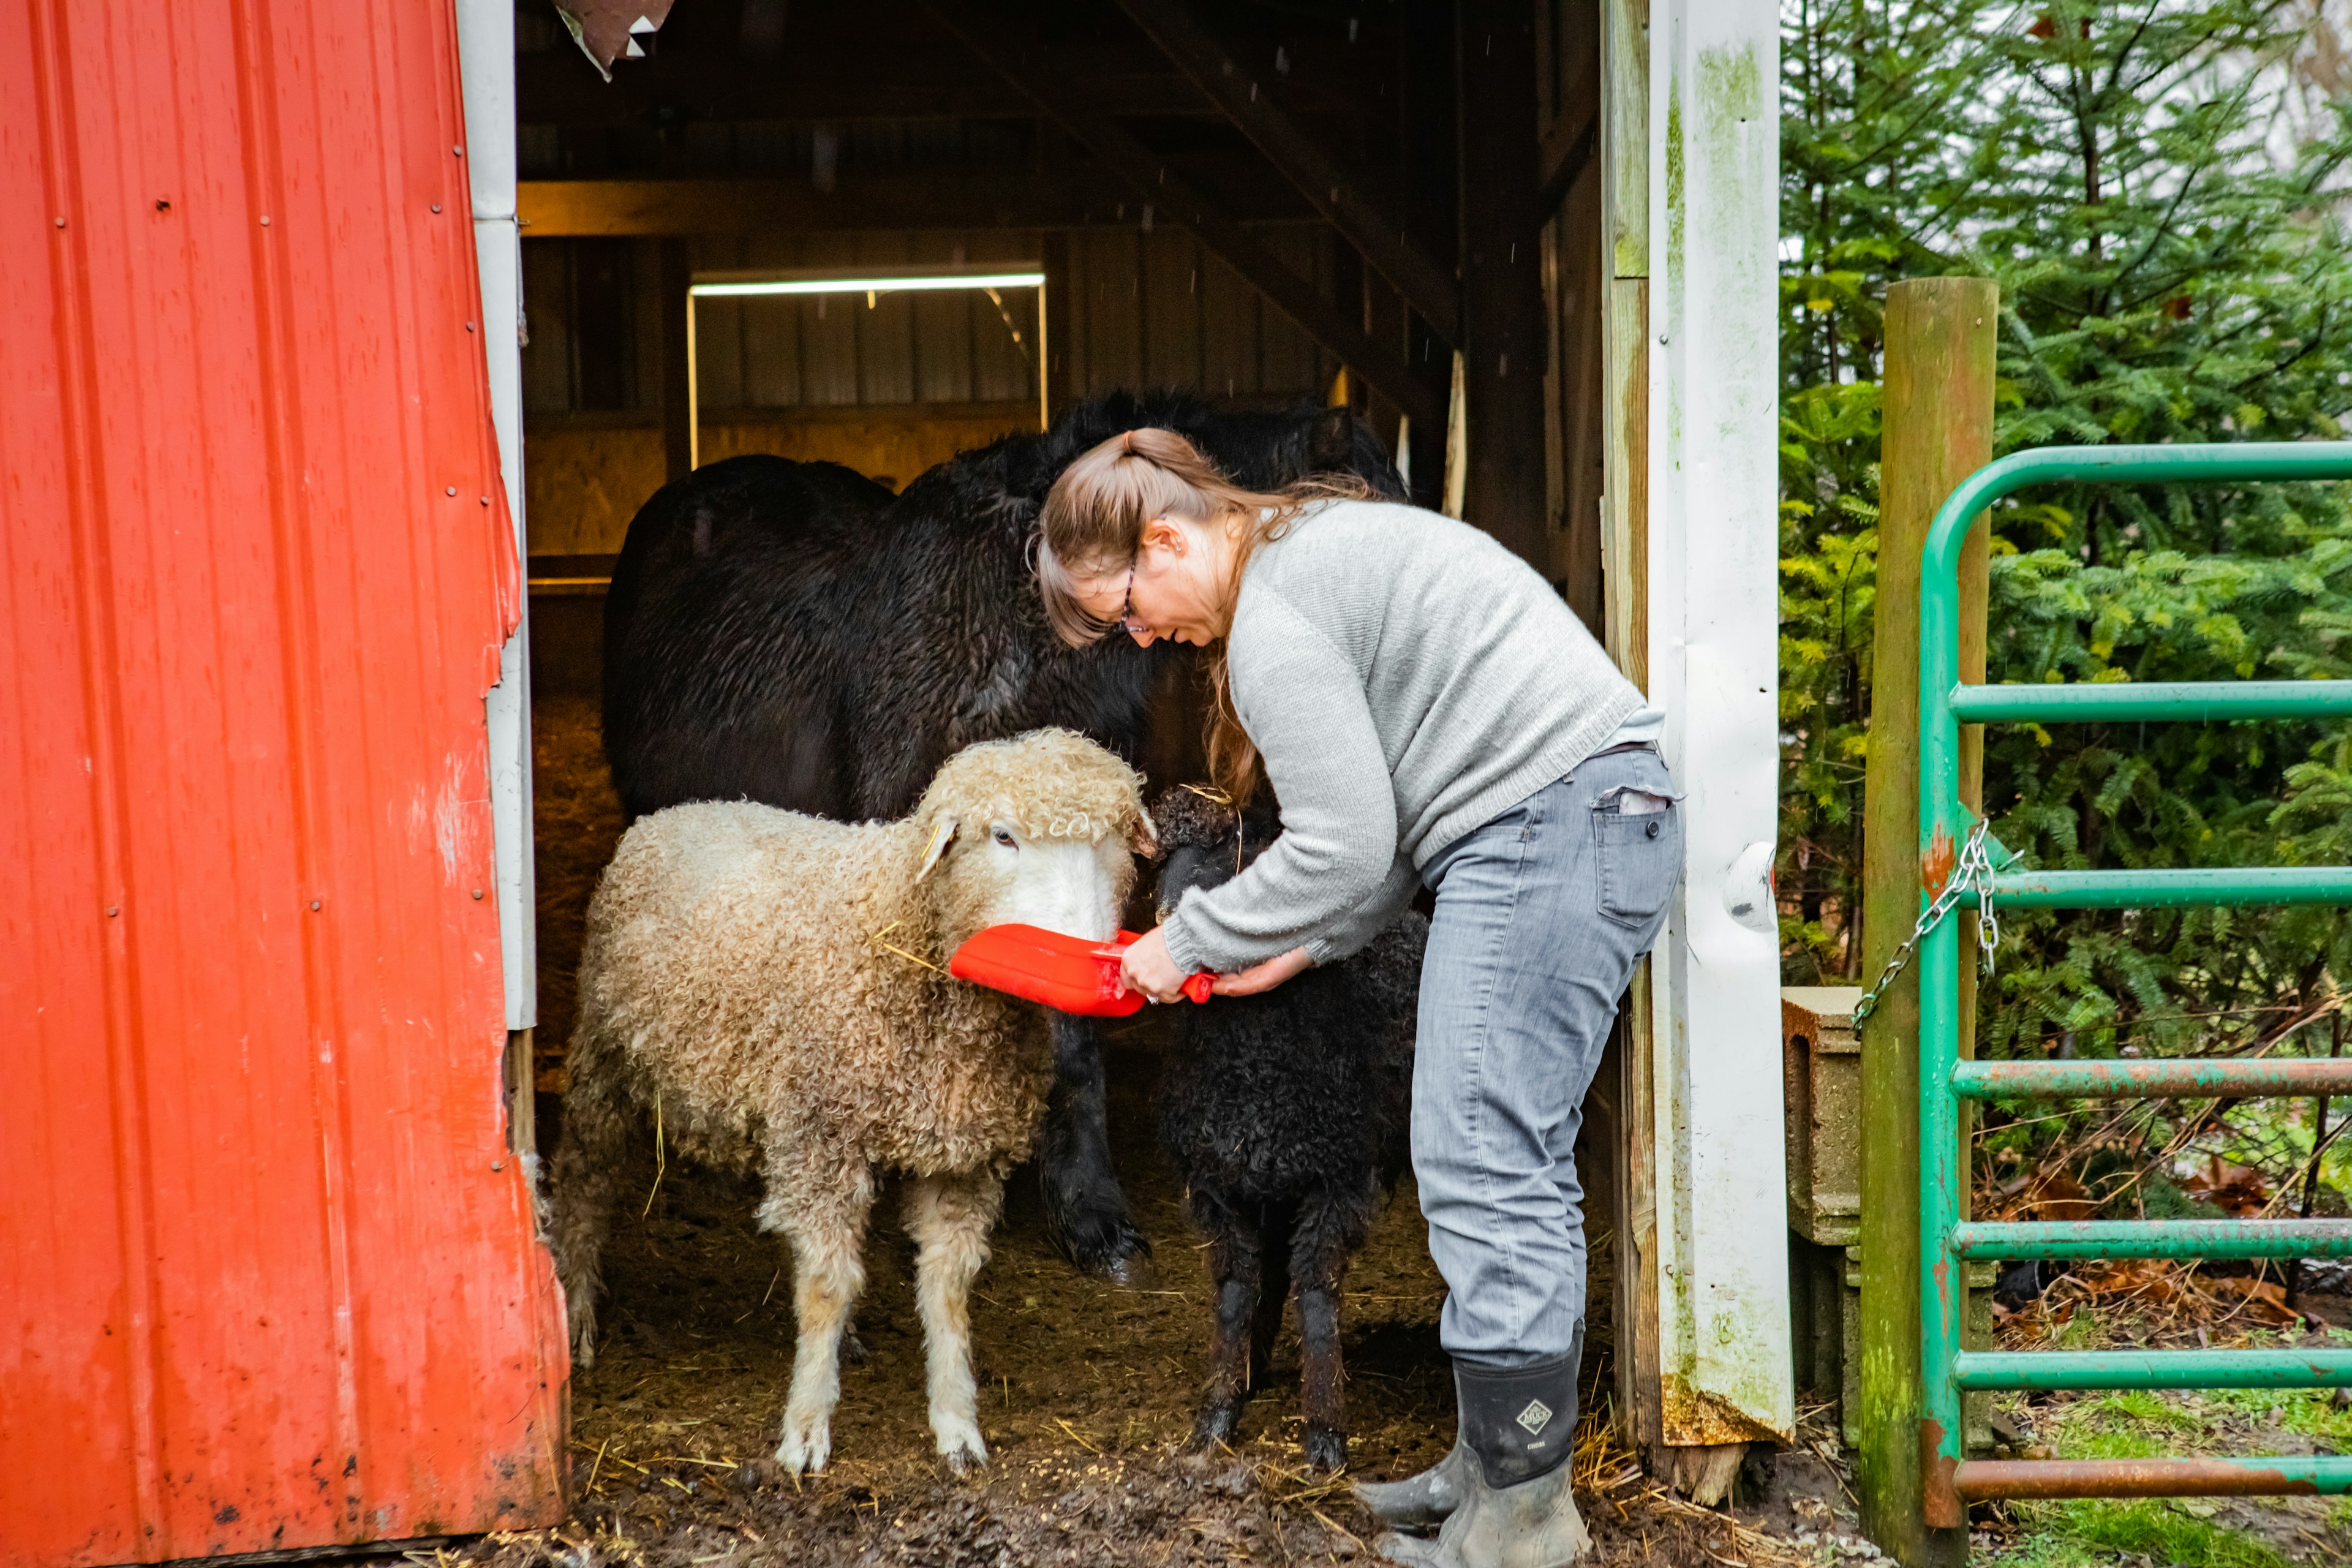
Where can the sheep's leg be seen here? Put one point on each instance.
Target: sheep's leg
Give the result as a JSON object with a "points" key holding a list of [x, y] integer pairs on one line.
{"points": [[1086, 1212], [596, 1123], [1274, 1223], [950, 1218], [1330, 1227], [1234, 1267], [823, 1220]]}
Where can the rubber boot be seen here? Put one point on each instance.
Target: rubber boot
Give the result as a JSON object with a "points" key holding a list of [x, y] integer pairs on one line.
{"points": [[1420, 1502], [1518, 1510]]}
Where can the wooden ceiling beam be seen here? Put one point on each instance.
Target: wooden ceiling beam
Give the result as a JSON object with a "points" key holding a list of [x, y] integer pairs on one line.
{"points": [[1176, 200], [921, 81], [1087, 196], [1248, 102]]}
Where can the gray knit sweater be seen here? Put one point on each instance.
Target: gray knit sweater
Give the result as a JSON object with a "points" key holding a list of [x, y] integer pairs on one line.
{"points": [[1406, 680]]}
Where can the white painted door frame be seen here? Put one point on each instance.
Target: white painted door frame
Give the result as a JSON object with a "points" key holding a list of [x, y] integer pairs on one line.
{"points": [[485, 68], [1725, 1361]]}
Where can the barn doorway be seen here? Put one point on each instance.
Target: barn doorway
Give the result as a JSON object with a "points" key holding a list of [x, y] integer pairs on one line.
{"points": [[1189, 236]]}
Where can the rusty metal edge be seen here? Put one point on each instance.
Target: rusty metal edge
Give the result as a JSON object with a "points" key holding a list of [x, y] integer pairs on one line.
{"points": [[331, 1551], [1979, 1480]]}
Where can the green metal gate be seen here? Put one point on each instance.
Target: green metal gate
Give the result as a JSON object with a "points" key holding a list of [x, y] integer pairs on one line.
{"points": [[1947, 837]]}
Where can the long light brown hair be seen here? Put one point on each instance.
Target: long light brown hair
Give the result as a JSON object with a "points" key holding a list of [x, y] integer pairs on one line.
{"points": [[1093, 529]]}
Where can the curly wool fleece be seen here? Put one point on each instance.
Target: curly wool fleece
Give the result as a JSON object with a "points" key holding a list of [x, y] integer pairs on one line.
{"points": [[729, 960]]}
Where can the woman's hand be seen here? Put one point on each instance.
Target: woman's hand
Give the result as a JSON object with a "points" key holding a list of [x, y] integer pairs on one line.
{"points": [[1148, 971], [1264, 976]]}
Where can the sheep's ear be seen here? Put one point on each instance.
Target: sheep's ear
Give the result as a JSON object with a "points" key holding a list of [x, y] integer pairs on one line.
{"points": [[1145, 837], [943, 834]]}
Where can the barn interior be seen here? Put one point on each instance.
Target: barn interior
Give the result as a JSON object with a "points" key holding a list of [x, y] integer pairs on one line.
{"points": [[1393, 205]]}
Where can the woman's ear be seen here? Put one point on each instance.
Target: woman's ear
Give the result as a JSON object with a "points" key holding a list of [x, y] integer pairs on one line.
{"points": [[943, 834], [1167, 533]]}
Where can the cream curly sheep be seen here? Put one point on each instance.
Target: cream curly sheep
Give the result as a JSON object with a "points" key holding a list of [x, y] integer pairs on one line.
{"points": [[738, 977]]}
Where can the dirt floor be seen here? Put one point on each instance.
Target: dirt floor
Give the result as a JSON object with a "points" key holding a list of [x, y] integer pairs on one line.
{"points": [[1089, 1388]]}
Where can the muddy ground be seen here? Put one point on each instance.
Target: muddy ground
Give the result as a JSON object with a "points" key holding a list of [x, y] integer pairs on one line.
{"points": [[1088, 1389]]}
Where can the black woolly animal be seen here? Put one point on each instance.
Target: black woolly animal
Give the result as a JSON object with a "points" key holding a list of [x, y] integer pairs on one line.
{"points": [[793, 634], [1285, 1115]]}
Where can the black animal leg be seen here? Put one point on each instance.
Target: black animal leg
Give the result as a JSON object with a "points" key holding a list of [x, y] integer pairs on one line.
{"points": [[1328, 1233], [1086, 1212], [1274, 1223], [1235, 1269]]}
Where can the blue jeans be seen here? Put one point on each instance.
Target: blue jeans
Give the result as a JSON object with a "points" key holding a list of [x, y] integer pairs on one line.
{"points": [[1542, 915]]}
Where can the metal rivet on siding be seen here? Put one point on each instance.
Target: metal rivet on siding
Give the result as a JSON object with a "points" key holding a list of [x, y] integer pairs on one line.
{"points": [[485, 500], [453, 489], [61, 223], [111, 912], [457, 151], [498, 1165], [1662, 337], [437, 207], [477, 892], [265, 220], [314, 905], [469, 326], [163, 204]]}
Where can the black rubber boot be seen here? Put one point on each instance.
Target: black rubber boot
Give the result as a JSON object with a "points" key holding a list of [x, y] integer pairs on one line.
{"points": [[1516, 1510]]}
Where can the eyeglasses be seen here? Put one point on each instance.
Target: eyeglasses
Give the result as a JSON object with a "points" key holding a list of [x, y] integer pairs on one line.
{"points": [[1127, 621]]}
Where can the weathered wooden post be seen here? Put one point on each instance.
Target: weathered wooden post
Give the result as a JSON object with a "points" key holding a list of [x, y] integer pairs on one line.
{"points": [[1938, 429]]}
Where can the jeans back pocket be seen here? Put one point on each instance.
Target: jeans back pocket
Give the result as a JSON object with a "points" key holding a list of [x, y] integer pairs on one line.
{"points": [[1640, 855]]}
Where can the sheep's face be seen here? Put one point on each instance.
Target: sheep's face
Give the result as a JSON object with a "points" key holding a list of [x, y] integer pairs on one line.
{"points": [[1204, 844], [1039, 830]]}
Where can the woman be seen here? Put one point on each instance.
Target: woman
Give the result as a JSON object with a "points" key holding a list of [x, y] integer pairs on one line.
{"points": [[1428, 713]]}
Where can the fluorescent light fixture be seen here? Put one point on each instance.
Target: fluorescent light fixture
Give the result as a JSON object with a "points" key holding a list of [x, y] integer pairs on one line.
{"points": [[870, 285], [877, 280]]}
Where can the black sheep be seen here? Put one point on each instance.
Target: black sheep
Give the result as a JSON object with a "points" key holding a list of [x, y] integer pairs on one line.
{"points": [[1286, 1114], [793, 634]]}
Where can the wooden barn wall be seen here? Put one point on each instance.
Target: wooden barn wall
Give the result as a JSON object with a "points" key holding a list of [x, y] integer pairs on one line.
{"points": [[888, 389]]}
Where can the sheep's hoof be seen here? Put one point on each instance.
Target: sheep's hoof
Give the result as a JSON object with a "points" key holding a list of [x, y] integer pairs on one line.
{"points": [[1214, 1424], [806, 1446], [960, 1446], [853, 1349], [1325, 1447], [1101, 1242], [1134, 1271]]}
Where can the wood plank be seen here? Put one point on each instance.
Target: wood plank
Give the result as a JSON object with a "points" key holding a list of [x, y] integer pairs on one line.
{"points": [[676, 436], [1111, 273], [929, 199], [1286, 360], [886, 347], [547, 320], [1172, 309], [1061, 321], [829, 329], [1625, 586], [1625, 478], [1335, 191], [1626, 132], [1230, 364], [910, 78], [1177, 200], [1578, 301], [772, 329], [1503, 316]]}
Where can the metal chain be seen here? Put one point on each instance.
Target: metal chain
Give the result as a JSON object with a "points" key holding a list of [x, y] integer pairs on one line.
{"points": [[1974, 869]]}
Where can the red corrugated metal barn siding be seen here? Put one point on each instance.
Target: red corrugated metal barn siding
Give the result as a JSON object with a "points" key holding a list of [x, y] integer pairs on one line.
{"points": [[268, 1274]]}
